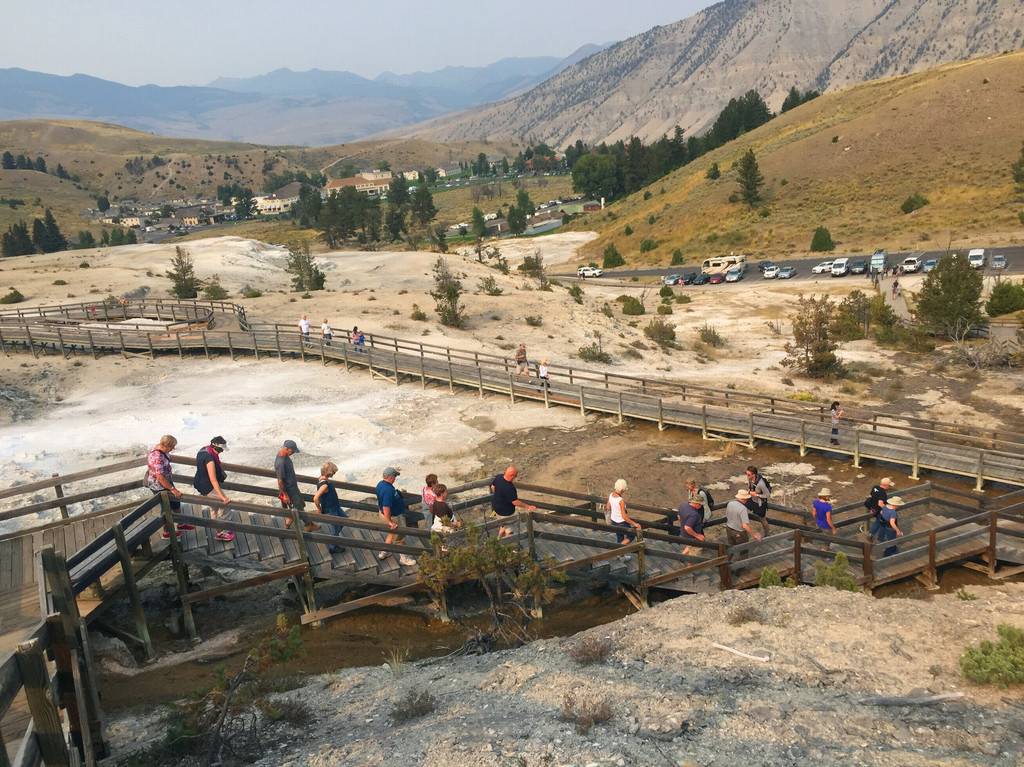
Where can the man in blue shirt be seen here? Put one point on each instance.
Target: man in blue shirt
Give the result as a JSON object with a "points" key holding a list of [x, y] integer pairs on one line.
{"points": [[391, 505]]}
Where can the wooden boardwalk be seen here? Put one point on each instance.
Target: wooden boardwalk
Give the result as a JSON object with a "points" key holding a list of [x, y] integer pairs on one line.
{"points": [[206, 327]]}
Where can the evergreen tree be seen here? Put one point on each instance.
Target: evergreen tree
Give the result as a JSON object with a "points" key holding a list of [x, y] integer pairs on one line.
{"points": [[516, 220], [183, 275], [53, 240], [822, 241], [1006, 297], [38, 234], [749, 179], [7, 162], [245, 204], [812, 351], [398, 192], [949, 301], [85, 241], [117, 239], [16, 241], [102, 203], [40, 165], [447, 292], [306, 275], [422, 209], [394, 221], [62, 172], [479, 226]]}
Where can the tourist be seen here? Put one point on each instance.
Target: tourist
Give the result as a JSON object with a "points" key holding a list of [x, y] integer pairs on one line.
{"points": [[823, 510], [391, 505], [427, 497], [617, 513], [691, 520], [304, 328], [737, 522], [760, 491], [895, 288], [325, 332], [696, 491], [326, 501], [835, 413], [876, 502], [441, 510], [209, 475], [505, 498], [542, 374], [159, 478], [288, 483], [522, 365], [889, 528], [357, 339]]}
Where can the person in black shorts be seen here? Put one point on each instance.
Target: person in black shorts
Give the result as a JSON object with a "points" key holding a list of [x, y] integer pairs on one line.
{"points": [[505, 498]]}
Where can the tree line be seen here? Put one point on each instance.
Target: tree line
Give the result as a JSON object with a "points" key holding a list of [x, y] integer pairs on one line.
{"points": [[23, 162]]}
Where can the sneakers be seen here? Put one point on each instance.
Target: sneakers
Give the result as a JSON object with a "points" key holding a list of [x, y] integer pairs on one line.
{"points": [[333, 549], [224, 535], [167, 536], [406, 561], [185, 527], [835, 442], [383, 555], [311, 528]]}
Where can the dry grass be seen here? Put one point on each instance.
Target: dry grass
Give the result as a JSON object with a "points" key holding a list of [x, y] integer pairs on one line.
{"points": [[585, 713], [591, 650]]}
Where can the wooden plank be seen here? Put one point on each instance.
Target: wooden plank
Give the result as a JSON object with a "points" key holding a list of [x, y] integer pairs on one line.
{"points": [[346, 607], [285, 572]]}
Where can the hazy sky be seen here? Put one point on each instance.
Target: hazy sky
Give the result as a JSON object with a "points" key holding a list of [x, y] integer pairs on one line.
{"points": [[185, 42]]}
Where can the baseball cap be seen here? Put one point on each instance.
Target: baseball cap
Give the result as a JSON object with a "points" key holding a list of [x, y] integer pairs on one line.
{"points": [[219, 442], [290, 444], [390, 471]]}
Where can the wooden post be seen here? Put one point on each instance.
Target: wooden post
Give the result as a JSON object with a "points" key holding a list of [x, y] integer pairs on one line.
{"points": [[206, 348], [451, 379], [179, 566], [993, 520], [442, 597], [45, 718], [583, 410], [724, 571], [641, 574], [31, 343], [620, 407], [63, 660], [423, 374], [307, 578], [803, 438], [394, 364], [511, 388], [661, 415], [917, 459], [92, 345], [141, 627], [231, 348], [930, 573], [152, 352], [255, 346], [869, 566], [529, 535], [302, 346], [750, 426], [856, 448], [3, 344], [60, 494], [704, 421], [277, 342], [60, 341], [479, 380], [323, 359], [980, 479], [798, 542]]}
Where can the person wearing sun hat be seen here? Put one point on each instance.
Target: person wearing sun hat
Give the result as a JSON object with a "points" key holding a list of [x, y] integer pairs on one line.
{"points": [[823, 510], [737, 522], [875, 503], [889, 527]]}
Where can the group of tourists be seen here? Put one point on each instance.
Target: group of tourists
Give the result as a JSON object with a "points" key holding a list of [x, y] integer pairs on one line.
{"points": [[356, 337], [523, 367]]}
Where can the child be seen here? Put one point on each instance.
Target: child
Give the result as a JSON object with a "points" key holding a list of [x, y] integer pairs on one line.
{"points": [[444, 517]]}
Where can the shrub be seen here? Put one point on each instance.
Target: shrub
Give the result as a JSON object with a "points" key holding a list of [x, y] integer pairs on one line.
{"points": [[606, 310], [800, 396], [651, 219], [664, 309], [591, 650], [489, 286], [822, 241], [575, 292], [533, 321], [648, 245], [666, 291], [710, 336], [677, 258], [628, 230], [683, 299], [648, 195], [764, 213], [251, 292], [415, 704], [60, 282], [1006, 298], [914, 202], [215, 291], [770, 577], [1020, 216], [661, 331], [612, 257], [836, 575], [14, 297], [835, 139], [744, 614], [631, 305], [84, 265], [963, 594], [594, 353], [418, 314], [1001, 663], [713, 172], [585, 714]]}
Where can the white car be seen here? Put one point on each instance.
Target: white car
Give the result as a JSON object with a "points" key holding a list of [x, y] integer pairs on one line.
{"points": [[734, 275], [825, 267], [588, 271], [998, 262], [771, 272]]}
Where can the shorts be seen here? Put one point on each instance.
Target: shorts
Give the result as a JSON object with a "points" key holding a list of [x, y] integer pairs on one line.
{"points": [[620, 537], [175, 503], [496, 513]]}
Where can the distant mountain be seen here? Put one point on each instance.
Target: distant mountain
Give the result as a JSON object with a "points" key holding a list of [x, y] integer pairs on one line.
{"points": [[311, 108], [685, 73]]}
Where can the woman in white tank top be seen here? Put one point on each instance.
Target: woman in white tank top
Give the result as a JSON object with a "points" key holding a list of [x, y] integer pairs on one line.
{"points": [[617, 516]]}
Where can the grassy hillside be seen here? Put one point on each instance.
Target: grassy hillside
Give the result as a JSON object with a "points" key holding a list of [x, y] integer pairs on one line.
{"points": [[847, 161]]}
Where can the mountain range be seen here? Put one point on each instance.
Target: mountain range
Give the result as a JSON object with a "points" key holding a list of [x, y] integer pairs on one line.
{"points": [[282, 107]]}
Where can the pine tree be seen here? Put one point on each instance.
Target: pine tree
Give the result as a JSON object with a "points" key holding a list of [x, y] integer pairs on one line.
{"points": [[16, 241], [749, 179], [306, 275], [53, 240], [183, 274]]}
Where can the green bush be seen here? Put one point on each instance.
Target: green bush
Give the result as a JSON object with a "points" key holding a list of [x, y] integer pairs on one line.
{"points": [[914, 202], [677, 258], [214, 292], [661, 331], [576, 293], [710, 336], [606, 310], [651, 219], [764, 213], [836, 575], [713, 172], [1006, 298], [60, 282], [666, 291], [647, 195], [612, 257], [1001, 663], [628, 230], [1020, 215], [631, 305], [770, 578], [84, 265], [648, 245], [664, 309], [822, 241], [534, 321], [683, 299], [594, 353], [14, 297], [489, 286], [418, 314], [251, 292]]}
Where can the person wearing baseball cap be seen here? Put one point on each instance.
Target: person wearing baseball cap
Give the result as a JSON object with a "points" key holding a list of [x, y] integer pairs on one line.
{"points": [[209, 475], [391, 505], [288, 483], [737, 522]]}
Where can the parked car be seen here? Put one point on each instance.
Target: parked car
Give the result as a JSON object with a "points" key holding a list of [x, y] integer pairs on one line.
{"points": [[976, 257], [588, 271], [858, 266], [825, 267], [762, 265], [674, 279], [930, 264], [840, 267], [733, 275], [998, 262], [911, 264], [771, 272], [786, 272], [717, 278], [703, 278], [689, 277]]}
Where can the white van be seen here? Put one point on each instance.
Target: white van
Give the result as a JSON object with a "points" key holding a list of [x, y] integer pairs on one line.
{"points": [[911, 264], [976, 257], [840, 267], [723, 264]]}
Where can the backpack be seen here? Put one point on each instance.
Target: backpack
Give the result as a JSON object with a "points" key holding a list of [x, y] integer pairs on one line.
{"points": [[766, 483], [710, 502]]}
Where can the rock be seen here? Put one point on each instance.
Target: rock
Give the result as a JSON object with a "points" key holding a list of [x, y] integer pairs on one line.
{"points": [[111, 649]]}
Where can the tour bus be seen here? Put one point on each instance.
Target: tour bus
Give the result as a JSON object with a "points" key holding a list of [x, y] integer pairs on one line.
{"points": [[723, 264]]}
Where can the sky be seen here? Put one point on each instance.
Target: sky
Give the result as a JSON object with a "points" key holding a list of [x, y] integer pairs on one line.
{"points": [[184, 42]]}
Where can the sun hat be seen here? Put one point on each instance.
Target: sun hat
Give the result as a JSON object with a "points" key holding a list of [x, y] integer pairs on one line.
{"points": [[743, 495], [824, 493], [390, 471], [895, 501], [290, 444]]}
